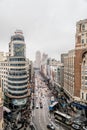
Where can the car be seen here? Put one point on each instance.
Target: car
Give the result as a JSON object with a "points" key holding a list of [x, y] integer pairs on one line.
{"points": [[75, 126], [50, 126], [37, 106], [33, 107], [7, 116], [79, 123], [41, 105], [84, 128], [84, 125]]}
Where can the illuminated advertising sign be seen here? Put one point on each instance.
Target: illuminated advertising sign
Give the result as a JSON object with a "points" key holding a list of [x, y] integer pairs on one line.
{"points": [[19, 49]]}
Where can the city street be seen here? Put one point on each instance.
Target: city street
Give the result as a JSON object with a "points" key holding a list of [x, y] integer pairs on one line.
{"points": [[41, 116]]}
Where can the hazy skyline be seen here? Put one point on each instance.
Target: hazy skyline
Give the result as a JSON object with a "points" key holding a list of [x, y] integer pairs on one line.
{"points": [[48, 25]]}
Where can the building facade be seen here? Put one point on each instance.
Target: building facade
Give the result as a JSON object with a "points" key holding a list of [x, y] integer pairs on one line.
{"points": [[81, 60], [17, 75], [44, 64], [60, 75], [1, 108], [38, 60], [13, 71], [69, 82], [63, 56], [75, 64]]}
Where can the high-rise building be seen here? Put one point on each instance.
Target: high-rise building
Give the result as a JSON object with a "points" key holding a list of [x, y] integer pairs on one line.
{"points": [[44, 58], [69, 76], [15, 80], [63, 56], [1, 108], [38, 60], [17, 75], [81, 60], [75, 64], [44, 64], [4, 68]]}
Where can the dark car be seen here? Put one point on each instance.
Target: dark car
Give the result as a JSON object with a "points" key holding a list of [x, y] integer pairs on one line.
{"points": [[84, 125], [50, 127], [79, 122], [76, 126], [7, 116], [41, 105]]}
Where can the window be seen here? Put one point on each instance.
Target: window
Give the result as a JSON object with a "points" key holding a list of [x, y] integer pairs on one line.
{"points": [[86, 96], [85, 83], [82, 95], [82, 40], [85, 78], [83, 27], [82, 34]]}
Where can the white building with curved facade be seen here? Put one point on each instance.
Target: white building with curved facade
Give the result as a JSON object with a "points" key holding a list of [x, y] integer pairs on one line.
{"points": [[17, 75], [15, 81]]}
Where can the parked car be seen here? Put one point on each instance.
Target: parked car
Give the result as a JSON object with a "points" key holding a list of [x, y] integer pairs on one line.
{"points": [[50, 127], [75, 126], [79, 123], [84, 128], [84, 125]]}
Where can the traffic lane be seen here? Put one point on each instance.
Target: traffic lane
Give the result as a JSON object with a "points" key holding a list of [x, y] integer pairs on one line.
{"points": [[43, 115], [45, 92], [37, 119], [40, 119], [43, 119], [39, 116]]}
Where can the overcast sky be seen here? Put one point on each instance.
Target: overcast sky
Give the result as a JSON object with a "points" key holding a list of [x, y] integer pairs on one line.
{"points": [[48, 25]]}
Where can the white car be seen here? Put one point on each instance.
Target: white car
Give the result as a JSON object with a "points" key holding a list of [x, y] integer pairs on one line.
{"points": [[37, 106], [84, 127]]}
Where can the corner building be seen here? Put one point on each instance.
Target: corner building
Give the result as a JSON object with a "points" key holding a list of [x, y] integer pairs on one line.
{"points": [[75, 65], [80, 89], [17, 78]]}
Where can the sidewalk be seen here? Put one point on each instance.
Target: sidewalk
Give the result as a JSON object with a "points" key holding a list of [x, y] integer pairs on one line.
{"points": [[28, 128], [21, 127]]}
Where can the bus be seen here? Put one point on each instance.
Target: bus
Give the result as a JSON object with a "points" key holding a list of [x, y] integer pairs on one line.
{"points": [[79, 105], [53, 106], [64, 118]]}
